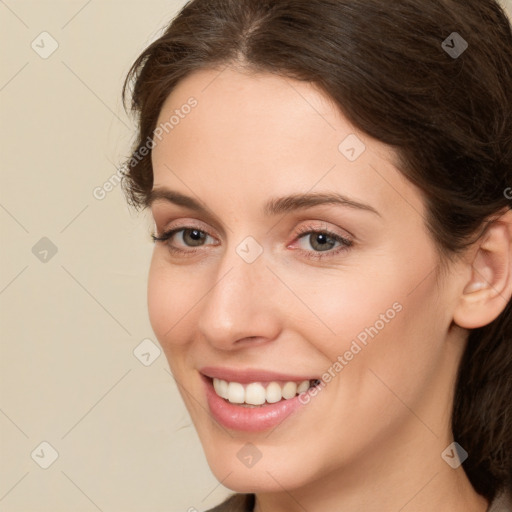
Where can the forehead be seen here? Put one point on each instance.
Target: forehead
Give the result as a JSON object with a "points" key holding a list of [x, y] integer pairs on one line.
{"points": [[249, 128], [265, 108]]}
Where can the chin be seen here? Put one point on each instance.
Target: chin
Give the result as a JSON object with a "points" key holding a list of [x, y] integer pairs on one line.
{"points": [[269, 473]]}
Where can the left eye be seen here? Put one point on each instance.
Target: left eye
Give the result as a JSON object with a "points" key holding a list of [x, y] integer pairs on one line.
{"points": [[323, 241]]}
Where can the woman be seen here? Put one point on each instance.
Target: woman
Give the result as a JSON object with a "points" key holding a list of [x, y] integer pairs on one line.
{"points": [[332, 276]]}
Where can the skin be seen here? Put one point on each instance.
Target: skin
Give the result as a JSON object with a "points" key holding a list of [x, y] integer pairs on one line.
{"points": [[372, 439]]}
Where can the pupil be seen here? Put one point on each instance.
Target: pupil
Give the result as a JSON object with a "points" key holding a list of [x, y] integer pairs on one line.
{"points": [[322, 240], [195, 236]]}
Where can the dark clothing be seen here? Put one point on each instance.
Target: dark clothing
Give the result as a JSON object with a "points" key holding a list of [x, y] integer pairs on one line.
{"points": [[245, 503]]}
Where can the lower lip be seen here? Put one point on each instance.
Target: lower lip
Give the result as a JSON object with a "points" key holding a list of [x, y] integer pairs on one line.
{"points": [[248, 419]]}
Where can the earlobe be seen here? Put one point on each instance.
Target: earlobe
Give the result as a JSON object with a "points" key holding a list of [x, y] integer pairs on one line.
{"points": [[489, 289]]}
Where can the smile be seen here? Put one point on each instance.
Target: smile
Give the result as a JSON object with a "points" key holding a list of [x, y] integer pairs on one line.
{"points": [[256, 393], [253, 400]]}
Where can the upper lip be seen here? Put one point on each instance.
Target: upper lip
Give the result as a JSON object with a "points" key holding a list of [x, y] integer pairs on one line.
{"points": [[248, 375]]}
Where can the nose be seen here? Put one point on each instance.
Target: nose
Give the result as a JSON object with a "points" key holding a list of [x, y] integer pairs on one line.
{"points": [[239, 310]]}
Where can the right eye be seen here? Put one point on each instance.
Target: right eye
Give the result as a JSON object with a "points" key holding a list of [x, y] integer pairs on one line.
{"points": [[190, 234]]}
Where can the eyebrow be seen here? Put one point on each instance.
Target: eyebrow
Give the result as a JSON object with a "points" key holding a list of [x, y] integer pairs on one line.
{"points": [[274, 206]]}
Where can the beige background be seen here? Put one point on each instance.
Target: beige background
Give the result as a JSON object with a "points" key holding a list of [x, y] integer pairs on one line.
{"points": [[70, 323]]}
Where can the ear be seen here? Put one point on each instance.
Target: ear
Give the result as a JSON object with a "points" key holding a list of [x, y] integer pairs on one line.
{"points": [[488, 290]]}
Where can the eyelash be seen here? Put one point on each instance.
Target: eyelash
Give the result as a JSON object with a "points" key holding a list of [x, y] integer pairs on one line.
{"points": [[301, 232]]}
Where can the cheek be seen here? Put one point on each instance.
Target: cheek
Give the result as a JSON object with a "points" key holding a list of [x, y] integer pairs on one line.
{"points": [[400, 334], [170, 296], [386, 315], [347, 304]]}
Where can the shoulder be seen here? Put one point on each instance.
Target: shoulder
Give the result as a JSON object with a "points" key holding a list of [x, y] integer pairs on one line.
{"points": [[502, 502], [236, 503]]}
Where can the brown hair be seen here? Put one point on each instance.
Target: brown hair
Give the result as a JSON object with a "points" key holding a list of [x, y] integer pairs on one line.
{"points": [[449, 118]]}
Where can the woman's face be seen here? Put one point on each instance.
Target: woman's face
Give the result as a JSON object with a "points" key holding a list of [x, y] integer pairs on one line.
{"points": [[243, 293]]}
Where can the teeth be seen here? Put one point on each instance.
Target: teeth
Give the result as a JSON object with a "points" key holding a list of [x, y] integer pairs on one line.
{"points": [[256, 394], [303, 386], [236, 393], [273, 393], [221, 387], [289, 390]]}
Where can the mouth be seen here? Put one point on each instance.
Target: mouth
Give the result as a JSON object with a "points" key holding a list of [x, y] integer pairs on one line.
{"points": [[259, 394], [253, 401]]}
